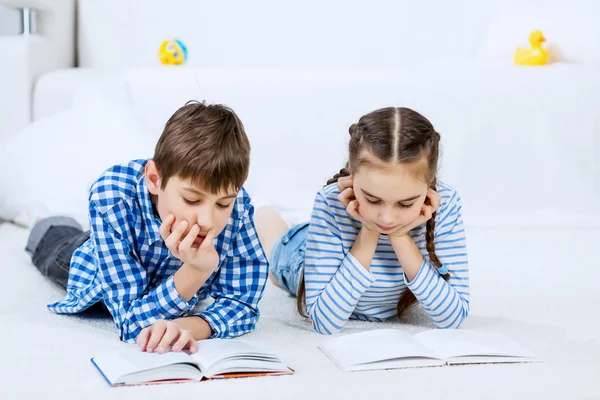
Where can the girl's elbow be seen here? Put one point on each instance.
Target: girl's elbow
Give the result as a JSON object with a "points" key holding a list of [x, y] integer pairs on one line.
{"points": [[324, 330], [455, 322]]}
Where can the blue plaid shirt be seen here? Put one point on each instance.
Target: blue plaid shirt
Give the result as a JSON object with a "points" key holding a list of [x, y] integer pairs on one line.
{"points": [[126, 264]]}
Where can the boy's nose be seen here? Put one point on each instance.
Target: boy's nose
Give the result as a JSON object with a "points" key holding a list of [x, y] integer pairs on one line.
{"points": [[205, 219]]}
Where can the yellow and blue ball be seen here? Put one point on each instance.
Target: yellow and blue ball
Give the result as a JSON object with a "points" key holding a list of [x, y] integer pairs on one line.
{"points": [[172, 52]]}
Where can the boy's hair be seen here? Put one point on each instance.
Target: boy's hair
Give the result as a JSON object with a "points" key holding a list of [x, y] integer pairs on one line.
{"points": [[205, 143], [400, 136]]}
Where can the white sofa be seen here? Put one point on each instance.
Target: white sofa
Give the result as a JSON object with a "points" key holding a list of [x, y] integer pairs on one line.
{"points": [[520, 144], [517, 141], [23, 59]]}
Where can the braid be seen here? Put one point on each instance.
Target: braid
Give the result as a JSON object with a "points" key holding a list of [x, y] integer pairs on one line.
{"points": [[355, 135], [354, 132], [301, 296], [407, 298], [343, 172], [429, 243]]}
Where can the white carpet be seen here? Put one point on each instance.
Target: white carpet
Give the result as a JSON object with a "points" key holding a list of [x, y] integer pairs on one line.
{"points": [[540, 287]]}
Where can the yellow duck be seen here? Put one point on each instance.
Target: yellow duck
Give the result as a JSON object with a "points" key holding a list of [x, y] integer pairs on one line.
{"points": [[536, 55]]}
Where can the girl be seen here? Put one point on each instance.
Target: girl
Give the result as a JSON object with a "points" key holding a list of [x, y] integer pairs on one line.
{"points": [[383, 235]]}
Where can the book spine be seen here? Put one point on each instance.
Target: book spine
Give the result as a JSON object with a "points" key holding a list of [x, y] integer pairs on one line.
{"points": [[102, 373]]}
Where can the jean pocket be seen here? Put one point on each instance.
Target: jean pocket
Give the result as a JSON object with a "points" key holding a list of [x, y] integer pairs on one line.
{"points": [[61, 263], [292, 232]]}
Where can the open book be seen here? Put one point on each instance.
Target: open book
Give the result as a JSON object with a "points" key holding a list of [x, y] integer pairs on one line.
{"points": [[390, 349], [215, 358]]}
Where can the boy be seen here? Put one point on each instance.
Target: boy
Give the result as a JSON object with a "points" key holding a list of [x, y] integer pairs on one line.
{"points": [[166, 233]]}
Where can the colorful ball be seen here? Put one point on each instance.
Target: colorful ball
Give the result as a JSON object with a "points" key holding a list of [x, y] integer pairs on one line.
{"points": [[172, 52]]}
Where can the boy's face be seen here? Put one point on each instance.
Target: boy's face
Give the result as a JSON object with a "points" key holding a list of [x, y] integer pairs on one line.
{"points": [[190, 203]]}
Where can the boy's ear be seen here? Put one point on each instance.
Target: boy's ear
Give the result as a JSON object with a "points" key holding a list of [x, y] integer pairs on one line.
{"points": [[152, 177]]}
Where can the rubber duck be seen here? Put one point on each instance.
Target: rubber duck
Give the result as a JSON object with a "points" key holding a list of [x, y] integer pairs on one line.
{"points": [[534, 56], [172, 52]]}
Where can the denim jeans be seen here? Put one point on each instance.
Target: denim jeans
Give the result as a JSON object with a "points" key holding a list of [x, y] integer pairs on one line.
{"points": [[287, 258], [51, 244]]}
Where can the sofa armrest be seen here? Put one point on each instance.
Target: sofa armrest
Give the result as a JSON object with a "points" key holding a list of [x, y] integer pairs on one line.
{"points": [[23, 58], [16, 80]]}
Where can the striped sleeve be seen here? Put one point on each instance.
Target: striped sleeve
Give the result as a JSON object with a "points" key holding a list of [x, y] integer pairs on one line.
{"points": [[446, 302], [334, 281]]}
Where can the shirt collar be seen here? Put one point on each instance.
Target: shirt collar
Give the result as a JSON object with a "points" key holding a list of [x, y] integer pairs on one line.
{"points": [[151, 221]]}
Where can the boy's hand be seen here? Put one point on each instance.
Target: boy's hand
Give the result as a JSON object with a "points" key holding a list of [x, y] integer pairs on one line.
{"points": [[203, 257], [164, 334], [427, 211]]}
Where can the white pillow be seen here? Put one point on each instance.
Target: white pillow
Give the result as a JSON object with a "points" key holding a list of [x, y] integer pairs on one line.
{"points": [[572, 33], [49, 166]]}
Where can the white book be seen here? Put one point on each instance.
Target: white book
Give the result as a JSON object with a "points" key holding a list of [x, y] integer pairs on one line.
{"points": [[391, 349], [215, 358]]}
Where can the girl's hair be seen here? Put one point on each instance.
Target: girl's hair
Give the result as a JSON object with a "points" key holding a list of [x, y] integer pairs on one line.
{"points": [[392, 135]]}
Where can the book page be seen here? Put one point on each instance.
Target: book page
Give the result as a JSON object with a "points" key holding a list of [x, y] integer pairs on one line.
{"points": [[448, 343], [398, 363], [211, 351], [116, 364], [241, 366], [373, 346]]}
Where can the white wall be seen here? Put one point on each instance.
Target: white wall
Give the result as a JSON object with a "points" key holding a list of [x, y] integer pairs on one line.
{"points": [[9, 21], [302, 33], [274, 33]]}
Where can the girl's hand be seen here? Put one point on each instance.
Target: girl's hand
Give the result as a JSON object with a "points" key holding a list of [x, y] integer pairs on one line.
{"points": [[427, 210], [346, 196], [353, 208], [163, 335], [346, 186], [345, 182]]}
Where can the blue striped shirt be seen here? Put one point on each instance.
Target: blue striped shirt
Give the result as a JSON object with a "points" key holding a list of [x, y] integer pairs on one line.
{"points": [[127, 265], [338, 287]]}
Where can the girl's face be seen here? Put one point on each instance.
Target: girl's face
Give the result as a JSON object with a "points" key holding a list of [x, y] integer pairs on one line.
{"points": [[390, 196]]}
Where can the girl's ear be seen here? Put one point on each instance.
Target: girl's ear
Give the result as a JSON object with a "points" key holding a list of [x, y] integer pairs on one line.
{"points": [[348, 169], [433, 183]]}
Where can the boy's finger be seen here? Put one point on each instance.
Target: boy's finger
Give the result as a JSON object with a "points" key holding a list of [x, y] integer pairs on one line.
{"points": [[165, 227], [188, 241], [184, 341], [158, 330], [208, 240], [172, 241], [142, 338], [180, 228], [193, 346], [168, 337]]}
